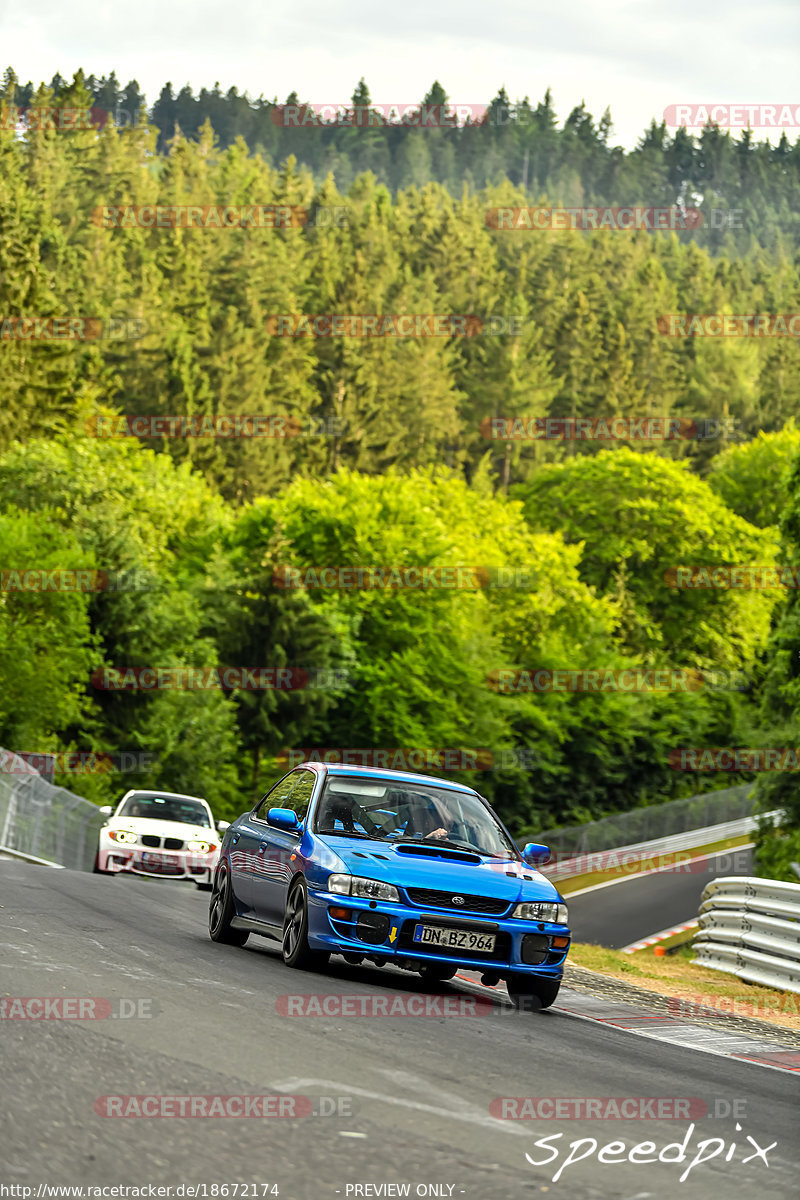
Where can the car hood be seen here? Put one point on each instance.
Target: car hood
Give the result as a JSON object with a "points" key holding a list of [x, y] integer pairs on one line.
{"points": [[174, 829], [507, 879]]}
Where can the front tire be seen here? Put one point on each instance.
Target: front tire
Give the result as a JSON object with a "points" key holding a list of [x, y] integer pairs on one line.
{"points": [[296, 951], [530, 994], [221, 912]]}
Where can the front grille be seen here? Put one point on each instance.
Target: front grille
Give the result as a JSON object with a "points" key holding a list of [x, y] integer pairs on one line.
{"points": [[434, 899], [501, 952], [173, 844], [149, 839]]}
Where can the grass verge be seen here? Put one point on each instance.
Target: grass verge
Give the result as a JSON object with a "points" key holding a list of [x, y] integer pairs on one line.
{"points": [[625, 870], [675, 975]]}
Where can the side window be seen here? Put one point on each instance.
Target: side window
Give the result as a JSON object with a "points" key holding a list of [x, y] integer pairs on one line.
{"points": [[301, 793], [278, 797]]}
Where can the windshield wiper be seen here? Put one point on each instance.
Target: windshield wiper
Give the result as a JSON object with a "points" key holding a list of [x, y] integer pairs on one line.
{"points": [[345, 833]]}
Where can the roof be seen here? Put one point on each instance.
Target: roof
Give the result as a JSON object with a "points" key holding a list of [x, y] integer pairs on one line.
{"points": [[161, 795], [390, 776]]}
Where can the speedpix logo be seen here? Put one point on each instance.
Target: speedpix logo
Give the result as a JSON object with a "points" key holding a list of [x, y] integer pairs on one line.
{"points": [[617, 1152]]}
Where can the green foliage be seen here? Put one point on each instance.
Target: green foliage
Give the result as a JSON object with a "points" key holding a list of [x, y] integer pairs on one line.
{"points": [[396, 463], [637, 518], [778, 840], [752, 479], [151, 529], [777, 850], [46, 642], [747, 190], [425, 661], [586, 306], [196, 583]]}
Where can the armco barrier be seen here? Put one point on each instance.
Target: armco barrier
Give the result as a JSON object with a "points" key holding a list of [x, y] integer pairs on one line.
{"points": [[647, 852], [641, 825], [751, 928], [44, 823]]}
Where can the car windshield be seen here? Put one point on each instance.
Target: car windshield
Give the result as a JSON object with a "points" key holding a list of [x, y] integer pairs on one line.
{"points": [[165, 808], [406, 812]]}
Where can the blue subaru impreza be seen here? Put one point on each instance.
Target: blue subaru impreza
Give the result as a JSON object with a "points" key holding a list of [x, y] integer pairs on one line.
{"points": [[391, 867]]}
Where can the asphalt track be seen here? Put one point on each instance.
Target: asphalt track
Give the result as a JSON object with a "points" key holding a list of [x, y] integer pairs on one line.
{"points": [[622, 913], [413, 1093]]}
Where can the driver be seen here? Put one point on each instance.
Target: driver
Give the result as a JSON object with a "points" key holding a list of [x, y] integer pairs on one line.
{"points": [[426, 822]]}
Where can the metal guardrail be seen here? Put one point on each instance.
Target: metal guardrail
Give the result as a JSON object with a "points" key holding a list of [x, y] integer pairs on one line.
{"points": [[750, 928], [643, 852], [647, 824], [43, 823]]}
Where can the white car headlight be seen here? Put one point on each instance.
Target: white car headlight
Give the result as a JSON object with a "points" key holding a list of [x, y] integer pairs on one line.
{"points": [[537, 910], [200, 847], [366, 889], [122, 835]]}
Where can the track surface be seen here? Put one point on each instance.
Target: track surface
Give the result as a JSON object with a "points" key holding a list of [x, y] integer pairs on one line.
{"points": [[641, 905], [419, 1088]]}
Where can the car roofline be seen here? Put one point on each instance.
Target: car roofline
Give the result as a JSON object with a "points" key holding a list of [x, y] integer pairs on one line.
{"points": [[337, 769], [161, 795]]}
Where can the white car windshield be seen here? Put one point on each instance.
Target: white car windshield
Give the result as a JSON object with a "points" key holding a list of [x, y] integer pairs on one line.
{"points": [[410, 813], [166, 808]]}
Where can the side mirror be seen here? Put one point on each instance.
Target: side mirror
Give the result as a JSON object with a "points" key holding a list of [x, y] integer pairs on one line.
{"points": [[107, 810], [535, 854], [222, 826], [283, 818]]}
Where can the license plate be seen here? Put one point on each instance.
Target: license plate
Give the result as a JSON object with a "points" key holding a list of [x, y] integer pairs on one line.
{"points": [[455, 939], [159, 860]]}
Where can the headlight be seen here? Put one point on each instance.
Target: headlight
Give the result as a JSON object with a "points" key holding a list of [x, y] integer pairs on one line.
{"points": [[201, 847], [121, 835], [367, 889], [542, 911]]}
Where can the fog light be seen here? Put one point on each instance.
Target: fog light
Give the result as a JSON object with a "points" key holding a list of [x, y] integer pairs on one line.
{"points": [[340, 914], [560, 942], [373, 927], [534, 949]]}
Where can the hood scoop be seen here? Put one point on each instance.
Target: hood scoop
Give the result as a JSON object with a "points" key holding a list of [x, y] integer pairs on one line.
{"points": [[439, 852]]}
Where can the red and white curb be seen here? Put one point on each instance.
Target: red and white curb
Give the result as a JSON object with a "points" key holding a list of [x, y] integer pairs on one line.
{"points": [[628, 1017], [662, 936]]}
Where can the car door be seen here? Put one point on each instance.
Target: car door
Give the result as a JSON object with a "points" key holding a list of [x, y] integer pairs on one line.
{"points": [[246, 855], [274, 868]]}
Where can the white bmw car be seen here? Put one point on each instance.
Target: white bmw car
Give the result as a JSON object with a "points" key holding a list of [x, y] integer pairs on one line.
{"points": [[162, 834]]}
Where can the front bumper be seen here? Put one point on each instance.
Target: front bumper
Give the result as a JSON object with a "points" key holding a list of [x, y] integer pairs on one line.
{"points": [[158, 864], [385, 930]]}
